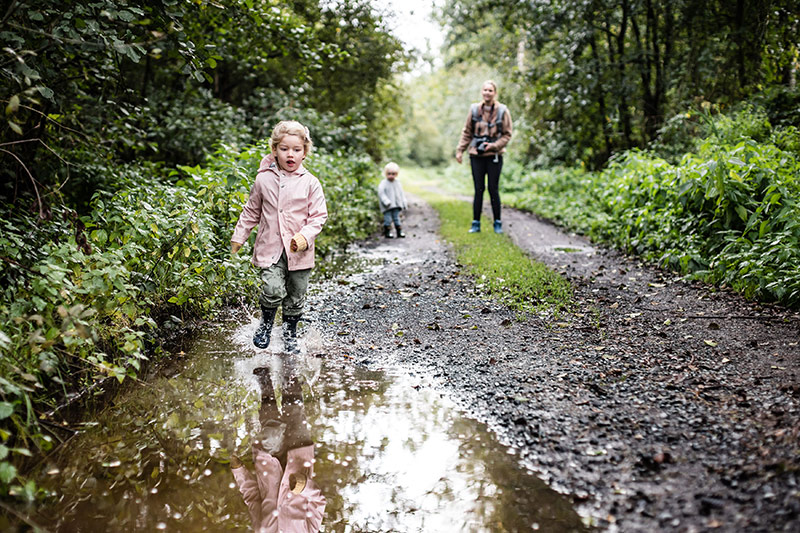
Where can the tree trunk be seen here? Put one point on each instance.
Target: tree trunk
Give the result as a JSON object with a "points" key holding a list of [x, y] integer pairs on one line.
{"points": [[601, 102], [622, 93]]}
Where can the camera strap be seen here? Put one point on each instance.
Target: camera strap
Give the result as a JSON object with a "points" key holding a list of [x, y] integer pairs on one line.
{"points": [[477, 116]]}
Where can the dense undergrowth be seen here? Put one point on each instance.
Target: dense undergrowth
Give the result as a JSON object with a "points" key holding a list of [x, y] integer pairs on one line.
{"points": [[83, 298], [727, 212]]}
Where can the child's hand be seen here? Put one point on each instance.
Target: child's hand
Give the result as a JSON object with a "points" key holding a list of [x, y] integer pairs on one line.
{"points": [[235, 247], [299, 243]]}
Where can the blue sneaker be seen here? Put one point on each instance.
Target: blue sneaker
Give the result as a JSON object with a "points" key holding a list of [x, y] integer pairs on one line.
{"points": [[476, 226], [498, 226]]}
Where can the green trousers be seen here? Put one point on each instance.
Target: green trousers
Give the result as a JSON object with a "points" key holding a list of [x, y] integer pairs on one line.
{"points": [[280, 286]]}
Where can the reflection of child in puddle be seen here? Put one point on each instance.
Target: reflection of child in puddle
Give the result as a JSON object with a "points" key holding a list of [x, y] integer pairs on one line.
{"points": [[282, 496]]}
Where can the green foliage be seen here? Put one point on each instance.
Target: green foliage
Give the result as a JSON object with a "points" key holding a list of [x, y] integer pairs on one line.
{"points": [[68, 71], [727, 214], [94, 84], [82, 298], [592, 79]]}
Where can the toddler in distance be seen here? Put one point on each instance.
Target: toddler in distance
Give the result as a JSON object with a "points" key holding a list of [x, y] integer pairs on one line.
{"points": [[392, 200]]}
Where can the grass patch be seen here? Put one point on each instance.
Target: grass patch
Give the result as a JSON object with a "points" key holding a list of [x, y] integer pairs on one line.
{"points": [[500, 268]]}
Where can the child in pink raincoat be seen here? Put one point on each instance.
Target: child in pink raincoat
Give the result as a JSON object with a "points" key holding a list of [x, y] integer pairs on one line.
{"points": [[287, 500], [282, 496], [288, 205]]}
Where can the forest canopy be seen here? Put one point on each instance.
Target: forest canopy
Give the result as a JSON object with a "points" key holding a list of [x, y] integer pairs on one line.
{"points": [[93, 86], [589, 79]]}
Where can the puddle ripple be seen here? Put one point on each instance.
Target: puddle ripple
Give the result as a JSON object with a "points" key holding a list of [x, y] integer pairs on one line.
{"points": [[387, 452]]}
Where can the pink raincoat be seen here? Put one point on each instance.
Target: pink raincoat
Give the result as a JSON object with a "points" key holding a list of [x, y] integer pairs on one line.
{"points": [[273, 506], [282, 204]]}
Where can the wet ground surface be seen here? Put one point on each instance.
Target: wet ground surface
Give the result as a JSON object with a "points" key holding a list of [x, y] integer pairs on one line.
{"points": [[388, 452], [656, 404]]}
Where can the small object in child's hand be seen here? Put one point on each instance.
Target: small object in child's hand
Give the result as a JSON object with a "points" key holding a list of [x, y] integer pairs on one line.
{"points": [[299, 243]]}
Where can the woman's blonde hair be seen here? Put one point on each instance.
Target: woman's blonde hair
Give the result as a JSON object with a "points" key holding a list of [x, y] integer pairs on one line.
{"points": [[290, 127], [492, 83], [391, 166]]}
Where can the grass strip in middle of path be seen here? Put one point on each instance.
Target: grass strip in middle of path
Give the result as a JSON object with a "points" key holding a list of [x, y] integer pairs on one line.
{"points": [[500, 267]]}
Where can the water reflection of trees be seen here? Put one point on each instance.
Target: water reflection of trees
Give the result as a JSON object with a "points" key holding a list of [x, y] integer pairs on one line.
{"points": [[160, 457]]}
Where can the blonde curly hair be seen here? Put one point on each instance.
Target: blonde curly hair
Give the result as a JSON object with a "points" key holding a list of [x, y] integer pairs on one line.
{"points": [[290, 127]]}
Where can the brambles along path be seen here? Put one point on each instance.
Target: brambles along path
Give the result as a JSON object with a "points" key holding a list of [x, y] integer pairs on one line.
{"points": [[656, 403]]}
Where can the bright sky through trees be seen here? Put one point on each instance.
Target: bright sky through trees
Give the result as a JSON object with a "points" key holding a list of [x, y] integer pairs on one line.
{"points": [[412, 23]]}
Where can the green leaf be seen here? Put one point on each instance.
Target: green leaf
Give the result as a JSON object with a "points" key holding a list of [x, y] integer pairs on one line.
{"points": [[6, 410], [45, 91], [99, 236], [7, 472], [5, 340], [13, 105]]}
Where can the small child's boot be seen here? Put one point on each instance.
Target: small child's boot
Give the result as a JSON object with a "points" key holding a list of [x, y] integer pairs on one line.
{"points": [[264, 329], [400, 232], [292, 389], [264, 382], [290, 333], [387, 232]]}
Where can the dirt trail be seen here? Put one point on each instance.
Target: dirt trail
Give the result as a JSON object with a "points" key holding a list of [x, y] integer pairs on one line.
{"points": [[658, 405]]}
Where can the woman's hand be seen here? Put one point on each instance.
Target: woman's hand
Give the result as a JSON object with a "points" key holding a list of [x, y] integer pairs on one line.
{"points": [[235, 247], [299, 243], [458, 157]]}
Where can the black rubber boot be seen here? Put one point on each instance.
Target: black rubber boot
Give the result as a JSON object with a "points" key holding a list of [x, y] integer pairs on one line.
{"points": [[400, 232], [387, 232], [290, 333], [292, 389], [264, 329], [265, 382]]}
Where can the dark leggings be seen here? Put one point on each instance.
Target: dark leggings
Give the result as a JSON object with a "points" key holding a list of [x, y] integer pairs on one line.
{"points": [[481, 167]]}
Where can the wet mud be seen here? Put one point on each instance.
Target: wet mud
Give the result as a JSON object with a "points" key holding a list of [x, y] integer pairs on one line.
{"points": [[656, 404]]}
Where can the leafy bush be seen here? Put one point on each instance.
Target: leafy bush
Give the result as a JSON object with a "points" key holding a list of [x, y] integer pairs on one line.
{"points": [[82, 297], [727, 214], [188, 129]]}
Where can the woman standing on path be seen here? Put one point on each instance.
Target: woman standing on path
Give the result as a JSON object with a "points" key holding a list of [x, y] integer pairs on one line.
{"points": [[485, 135]]}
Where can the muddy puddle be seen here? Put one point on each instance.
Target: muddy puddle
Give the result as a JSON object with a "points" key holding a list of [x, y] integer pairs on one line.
{"points": [[323, 443]]}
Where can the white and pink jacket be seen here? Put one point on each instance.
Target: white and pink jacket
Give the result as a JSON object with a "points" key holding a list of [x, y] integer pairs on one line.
{"points": [[282, 204], [272, 505]]}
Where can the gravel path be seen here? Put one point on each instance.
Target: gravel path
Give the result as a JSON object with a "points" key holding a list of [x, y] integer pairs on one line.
{"points": [[657, 404]]}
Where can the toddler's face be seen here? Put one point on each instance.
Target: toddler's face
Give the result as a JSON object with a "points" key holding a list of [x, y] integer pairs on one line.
{"points": [[290, 153], [391, 175]]}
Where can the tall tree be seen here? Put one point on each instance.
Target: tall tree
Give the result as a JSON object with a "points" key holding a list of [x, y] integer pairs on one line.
{"points": [[94, 84], [627, 64]]}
